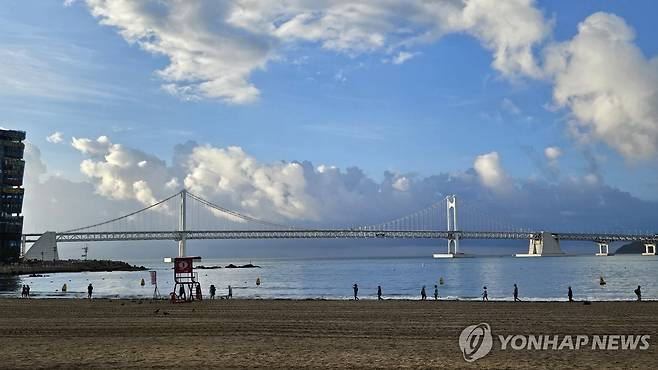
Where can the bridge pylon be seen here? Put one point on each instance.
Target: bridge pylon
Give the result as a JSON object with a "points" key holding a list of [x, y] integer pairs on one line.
{"points": [[182, 224], [453, 234], [543, 244]]}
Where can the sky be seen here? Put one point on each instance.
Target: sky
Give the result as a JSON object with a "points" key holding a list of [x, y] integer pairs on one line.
{"points": [[336, 112]]}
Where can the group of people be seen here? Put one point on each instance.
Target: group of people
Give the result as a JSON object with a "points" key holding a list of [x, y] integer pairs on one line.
{"points": [[213, 291], [25, 292], [485, 293], [423, 294]]}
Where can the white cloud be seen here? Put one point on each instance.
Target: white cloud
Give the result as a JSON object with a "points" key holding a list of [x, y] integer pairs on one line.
{"points": [[213, 47], [610, 87], [55, 138], [552, 153], [402, 184], [403, 56], [490, 171]]}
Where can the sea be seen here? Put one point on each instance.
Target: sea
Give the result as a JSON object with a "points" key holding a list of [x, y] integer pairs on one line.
{"points": [[538, 279]]}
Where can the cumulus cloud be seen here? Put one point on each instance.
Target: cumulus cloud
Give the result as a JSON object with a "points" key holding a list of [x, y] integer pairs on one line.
{"points": [[608, 84], [55, 138], [490, 172], [402, 184], [552, 153], [214, 46]]}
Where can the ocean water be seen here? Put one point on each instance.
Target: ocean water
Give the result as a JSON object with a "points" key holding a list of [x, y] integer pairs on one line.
{"points": [[545, 278]]}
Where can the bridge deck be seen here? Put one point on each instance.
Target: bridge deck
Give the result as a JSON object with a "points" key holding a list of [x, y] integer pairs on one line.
{"points": [[335, 234]]}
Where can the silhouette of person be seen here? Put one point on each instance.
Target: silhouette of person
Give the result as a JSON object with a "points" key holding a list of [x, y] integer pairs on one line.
{"points": [[423, 295], [436, 292], [212, 291], [23, 290], [181, 292], [90, 290], [355, 287], [516, 293], [570, 294], [198, 292], [27, 291], [638, 293], [379, 292], [485, 295], [230, 292]]}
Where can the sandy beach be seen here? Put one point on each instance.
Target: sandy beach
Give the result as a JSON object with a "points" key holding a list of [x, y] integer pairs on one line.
{"points": [[67, 333]]}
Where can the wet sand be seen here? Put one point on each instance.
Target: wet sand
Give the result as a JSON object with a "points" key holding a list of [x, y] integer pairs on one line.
{"points": [[67, 333]]}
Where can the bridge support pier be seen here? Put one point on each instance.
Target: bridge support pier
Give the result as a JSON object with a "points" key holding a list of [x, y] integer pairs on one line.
{"points": [[649, 249], [604, 249], [543, 244]]}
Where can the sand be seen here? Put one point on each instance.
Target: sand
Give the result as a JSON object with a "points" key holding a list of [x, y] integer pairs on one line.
{"points": [[67, 333]]}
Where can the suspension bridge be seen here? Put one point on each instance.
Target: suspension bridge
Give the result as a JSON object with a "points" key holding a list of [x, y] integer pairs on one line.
{"points": [[185, 216]]}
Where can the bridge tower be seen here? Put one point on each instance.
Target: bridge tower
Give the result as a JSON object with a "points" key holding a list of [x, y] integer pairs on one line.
{"points": [[453, 230], [451, 210], [182, 215]]}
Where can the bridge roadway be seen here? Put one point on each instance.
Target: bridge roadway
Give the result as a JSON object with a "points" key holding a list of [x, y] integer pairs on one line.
{"points": [[335, 234]]}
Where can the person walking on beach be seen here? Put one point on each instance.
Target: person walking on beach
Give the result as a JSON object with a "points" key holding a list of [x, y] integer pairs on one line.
{"points": [[230, 293], [23, 290], [379, 292], [516, 294], [570, 294], [212, 291], [355, 287], [198, 292], [485, 295], [638, 293], [27, 291], [90, 290], [423, 295], [436, 292]]}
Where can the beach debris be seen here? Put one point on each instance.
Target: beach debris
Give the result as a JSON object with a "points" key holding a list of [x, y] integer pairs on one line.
{"points": [[156, 310], [165, 313]]}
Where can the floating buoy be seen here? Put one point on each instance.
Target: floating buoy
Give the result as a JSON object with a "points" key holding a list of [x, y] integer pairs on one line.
{"points": [[142, 283], [64, 287], [601, 281], [258, 281], [441, 280]]}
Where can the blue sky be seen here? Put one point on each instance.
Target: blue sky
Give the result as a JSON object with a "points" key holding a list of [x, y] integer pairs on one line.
{"points": [[334, 100]]}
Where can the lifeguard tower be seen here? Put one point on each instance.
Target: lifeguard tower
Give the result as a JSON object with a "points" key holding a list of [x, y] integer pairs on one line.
{"points": [[186, 283]]}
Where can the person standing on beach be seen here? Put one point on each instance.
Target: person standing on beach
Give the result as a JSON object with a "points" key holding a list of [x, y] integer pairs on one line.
{"points": [[485, 295], [423, 295], [355, 287], [23, 291], [436, 292], [638, 293], [230, 293], [27, 291], [570, 294], [379, 292], [90, 290], [516, 294], [212, 291]]}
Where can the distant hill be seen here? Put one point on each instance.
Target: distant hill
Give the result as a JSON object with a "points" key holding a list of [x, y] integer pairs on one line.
{"points": [[631, 248]]}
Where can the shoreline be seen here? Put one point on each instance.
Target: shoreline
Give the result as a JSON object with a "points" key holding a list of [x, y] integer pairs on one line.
{"points": [[241, 333]]}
